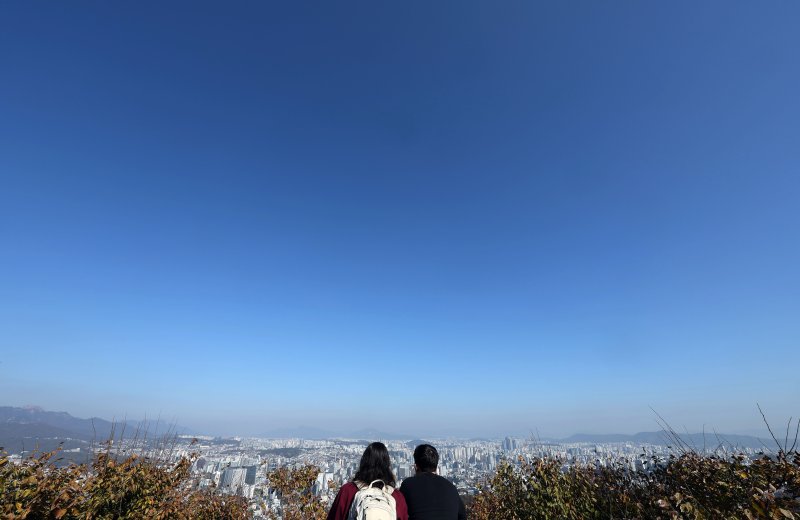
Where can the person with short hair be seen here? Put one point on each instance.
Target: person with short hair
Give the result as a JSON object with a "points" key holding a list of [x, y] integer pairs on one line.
{"points": [[375, 465], [428, 495]]}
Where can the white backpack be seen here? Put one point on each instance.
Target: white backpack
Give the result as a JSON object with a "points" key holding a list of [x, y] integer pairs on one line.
{"points": [[371, 503]]}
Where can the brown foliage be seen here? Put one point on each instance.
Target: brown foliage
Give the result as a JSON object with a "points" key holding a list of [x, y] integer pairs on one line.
{"points": [[690, 486], [295, 489], [133, 488]]}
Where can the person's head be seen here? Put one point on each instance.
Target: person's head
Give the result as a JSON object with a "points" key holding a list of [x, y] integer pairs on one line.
{"points": [[375, 465], [426, 458]]}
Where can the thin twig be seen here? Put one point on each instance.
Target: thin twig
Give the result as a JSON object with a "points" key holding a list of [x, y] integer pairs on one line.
{"points": [[796, 432], [769, 429], [671, 434], [704, 439], [786, 439], [689, 438]]}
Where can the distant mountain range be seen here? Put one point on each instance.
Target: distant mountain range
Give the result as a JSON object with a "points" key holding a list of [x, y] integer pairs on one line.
{"points": [[32, 427], [311, 433], [661, 438], [658, 438], [28, 427]]}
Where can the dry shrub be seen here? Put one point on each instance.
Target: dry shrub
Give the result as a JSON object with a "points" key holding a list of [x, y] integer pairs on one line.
{"points": [[294, 486], [132, 488], [689, 486]]}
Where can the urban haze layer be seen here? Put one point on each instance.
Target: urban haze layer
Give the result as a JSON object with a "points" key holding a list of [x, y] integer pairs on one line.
{"points": [[239, 466]]}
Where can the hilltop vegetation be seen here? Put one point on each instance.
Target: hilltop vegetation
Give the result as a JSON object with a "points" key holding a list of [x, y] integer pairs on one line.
{"points": [[131, 488], [688, 485]]}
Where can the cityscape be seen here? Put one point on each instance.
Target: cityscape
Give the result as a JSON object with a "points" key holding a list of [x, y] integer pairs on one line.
{"points": [[239, 466], [558, 241]]}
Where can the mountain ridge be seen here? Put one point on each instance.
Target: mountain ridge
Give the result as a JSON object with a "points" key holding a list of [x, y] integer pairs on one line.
{"points": [[24, 426], [697, 441]]}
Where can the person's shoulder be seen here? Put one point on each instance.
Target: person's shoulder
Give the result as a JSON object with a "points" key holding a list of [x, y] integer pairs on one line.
{"points": [[443, 481], [398, 496], [409, 484], [452, 487], [349, 488], [446, 480], [409, 481], [400, 504]]}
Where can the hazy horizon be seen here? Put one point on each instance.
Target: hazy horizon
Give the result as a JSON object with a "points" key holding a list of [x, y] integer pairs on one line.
{"points": [[457, 216], [546, 429]]}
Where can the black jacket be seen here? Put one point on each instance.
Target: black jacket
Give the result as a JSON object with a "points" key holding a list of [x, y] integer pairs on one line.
{"points": [[431, 497]]}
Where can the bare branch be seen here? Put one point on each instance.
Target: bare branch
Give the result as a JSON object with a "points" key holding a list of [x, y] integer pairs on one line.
{"points": [[689, 439], [796, 432], [704, 439], [780, 448], [786, 439], [671, 435]]}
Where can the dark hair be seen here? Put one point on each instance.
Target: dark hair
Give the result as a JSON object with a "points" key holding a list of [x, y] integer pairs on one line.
{"points": [[426, 458], [375, 465]]}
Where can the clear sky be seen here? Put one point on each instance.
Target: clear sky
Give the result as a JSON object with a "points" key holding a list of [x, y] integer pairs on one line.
{"points": [[426, 217]]}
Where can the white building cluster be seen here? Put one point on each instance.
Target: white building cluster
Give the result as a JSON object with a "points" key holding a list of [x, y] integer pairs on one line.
{"points": [[240, 466]]}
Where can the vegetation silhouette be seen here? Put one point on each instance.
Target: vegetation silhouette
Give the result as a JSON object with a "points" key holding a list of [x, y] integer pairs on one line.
{"points": [[149, 482], [690, 484], [139, 479]]}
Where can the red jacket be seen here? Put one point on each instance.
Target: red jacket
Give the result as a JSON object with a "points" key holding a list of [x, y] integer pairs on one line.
{"points": [[344, 499]]}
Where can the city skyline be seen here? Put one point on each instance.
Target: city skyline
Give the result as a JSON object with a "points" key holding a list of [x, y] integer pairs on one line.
{"points": [[31, 425], [452, 217]]}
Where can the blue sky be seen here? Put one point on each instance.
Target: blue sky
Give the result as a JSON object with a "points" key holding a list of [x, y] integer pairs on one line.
{"points": [[502, 216]]}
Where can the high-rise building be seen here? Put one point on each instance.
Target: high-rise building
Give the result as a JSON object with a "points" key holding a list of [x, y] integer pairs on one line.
{"points": [[233, 478], [250, 477]]}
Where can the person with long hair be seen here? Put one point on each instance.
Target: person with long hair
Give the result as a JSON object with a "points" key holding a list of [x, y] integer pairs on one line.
{"points": [[375, 465]]}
